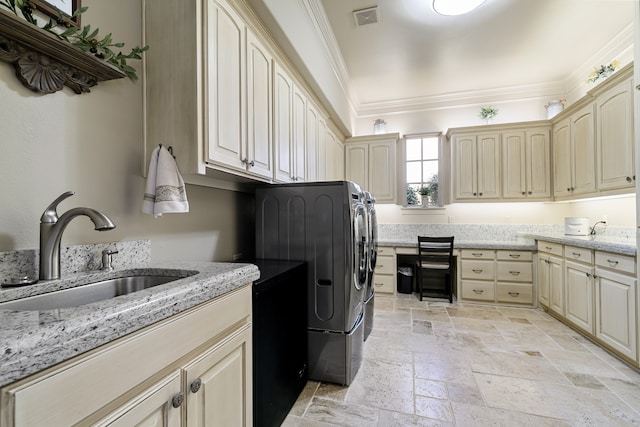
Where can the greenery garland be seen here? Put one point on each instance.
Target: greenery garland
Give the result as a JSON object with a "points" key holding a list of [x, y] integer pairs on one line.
{"points": [[85, 39]]}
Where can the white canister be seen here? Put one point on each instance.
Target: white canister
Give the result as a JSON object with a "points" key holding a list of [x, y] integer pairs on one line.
{"points": [[554, 107], [576, 226]]}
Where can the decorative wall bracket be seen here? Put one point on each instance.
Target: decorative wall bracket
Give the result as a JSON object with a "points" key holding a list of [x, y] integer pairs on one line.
{"points": [[44, 63]]}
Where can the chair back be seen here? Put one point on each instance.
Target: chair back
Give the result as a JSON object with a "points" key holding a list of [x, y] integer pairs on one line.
{"points": [[435, 252]]}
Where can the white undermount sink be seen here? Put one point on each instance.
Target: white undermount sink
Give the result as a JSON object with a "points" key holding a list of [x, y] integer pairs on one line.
{"points": [[89, 293]]}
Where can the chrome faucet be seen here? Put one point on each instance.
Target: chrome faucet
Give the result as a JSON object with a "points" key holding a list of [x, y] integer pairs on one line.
{"points": [[51, 229], [593, 229]]}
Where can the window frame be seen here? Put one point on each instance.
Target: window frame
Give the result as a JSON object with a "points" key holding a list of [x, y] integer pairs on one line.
{"points": [[443, 170]]}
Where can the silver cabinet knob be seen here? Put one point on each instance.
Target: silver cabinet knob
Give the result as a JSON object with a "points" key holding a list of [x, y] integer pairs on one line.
{"points": [[195, 385], [177, 400]]}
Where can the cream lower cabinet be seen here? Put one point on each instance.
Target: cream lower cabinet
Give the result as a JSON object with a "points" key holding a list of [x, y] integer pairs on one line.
{"points": [[616, 303], [579, 286], [160, 376], [551, 276], [497, 276], [384, 277]]}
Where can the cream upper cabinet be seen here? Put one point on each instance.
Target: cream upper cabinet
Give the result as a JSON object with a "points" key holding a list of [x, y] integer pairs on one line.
{"points": [[370, 161], [225, 74], [283, 129], [614, 112], [562, 175], [477, 166], [313, 142], [574, 153], [526, 164], [299, 134], [258, 158], [335, 162]]}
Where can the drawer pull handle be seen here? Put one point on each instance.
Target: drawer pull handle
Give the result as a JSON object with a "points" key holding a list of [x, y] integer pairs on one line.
{"points": [[514, 255], [576, 254], [478, 291], [177, 400], [514, 273], [195, 385], [477, 254], [548, 248], [514, 294], [477, 271], [380, 265], [379, 284], [612, 262]]}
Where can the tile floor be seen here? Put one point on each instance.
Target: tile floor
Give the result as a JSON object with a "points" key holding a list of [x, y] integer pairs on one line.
{"points": [[432, 363]]}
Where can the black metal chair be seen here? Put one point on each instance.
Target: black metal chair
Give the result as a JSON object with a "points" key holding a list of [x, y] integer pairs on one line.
{"points": [[435, 267]]}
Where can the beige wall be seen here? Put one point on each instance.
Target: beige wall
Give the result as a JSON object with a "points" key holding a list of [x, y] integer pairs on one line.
{"points": [[92, 144]]}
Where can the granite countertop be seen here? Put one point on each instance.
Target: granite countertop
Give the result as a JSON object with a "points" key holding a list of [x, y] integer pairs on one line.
{"points": [[31, 341], [525, 245], [619, 245]]}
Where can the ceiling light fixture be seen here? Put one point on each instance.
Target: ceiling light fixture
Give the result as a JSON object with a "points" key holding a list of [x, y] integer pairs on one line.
{"points": [[455, 7]]}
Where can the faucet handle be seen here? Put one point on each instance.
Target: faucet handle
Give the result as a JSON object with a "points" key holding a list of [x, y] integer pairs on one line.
{"points": [[50, 214]]}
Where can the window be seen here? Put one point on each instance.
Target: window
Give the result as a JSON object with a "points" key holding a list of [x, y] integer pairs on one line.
{"points": [[422, 159]]}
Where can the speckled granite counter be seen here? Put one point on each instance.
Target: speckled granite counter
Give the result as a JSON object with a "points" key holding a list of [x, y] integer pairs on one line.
{"points": [[615, 244], [507, 236], [34, 340]]}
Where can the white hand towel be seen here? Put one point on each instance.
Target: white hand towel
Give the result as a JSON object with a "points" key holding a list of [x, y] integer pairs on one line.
{"points": [[165, 191]]}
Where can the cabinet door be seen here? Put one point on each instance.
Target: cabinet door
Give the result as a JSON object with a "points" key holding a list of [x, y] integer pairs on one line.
{"points": [[322, 150], [313, 125], [219, 384], [514, 161], [299, 125], [579, 288], [466, 167], [556, 285], [584, 150], [258, 158], [282, 122], [152, 408], [616, 311], [562, 159], [543, 280], [615, 137], [335, 165], [538, 174], [225, 68], [357, 164], [382, 171], [489, 166]]}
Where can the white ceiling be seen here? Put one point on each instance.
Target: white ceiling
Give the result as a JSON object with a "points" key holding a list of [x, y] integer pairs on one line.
{"points": [[505, 45]]}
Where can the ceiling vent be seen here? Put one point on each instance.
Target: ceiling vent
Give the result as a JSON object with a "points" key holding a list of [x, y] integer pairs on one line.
{"points": [[366, 16]]}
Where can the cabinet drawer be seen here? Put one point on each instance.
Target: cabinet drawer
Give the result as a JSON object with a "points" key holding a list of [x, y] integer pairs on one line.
{"points": [[515, 293], [385, 251], [622, 263], [480, 270], [551, 248], [515, 271], [477, 253], [483, 291], [383, 284], [514, 255], [575, 253], [385, 265], [408, 250]]}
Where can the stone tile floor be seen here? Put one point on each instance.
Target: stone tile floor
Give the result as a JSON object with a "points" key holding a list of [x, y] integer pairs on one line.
{"points": [[432, 363]]}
